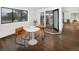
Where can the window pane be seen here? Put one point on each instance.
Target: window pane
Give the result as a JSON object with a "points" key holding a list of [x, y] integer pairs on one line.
{"points": [[6, 15], [73, 16], [17, 15], [77, 16], [24, 15], [42, 18]]}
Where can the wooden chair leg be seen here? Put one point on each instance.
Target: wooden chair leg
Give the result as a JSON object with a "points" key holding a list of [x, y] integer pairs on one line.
{"points": [[42, 35], [18, 39]]}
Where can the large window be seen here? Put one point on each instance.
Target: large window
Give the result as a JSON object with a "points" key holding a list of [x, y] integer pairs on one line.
{"points": [[6, 15], [74, 16], [17, 15], [24, 15], [9, 15]]}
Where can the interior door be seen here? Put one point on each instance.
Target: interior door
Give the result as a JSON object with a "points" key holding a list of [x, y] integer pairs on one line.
{"points": [[56, 19], [42, 18]]}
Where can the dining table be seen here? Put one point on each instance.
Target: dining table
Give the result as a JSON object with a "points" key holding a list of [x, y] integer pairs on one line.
{"points": [[32, 30]]}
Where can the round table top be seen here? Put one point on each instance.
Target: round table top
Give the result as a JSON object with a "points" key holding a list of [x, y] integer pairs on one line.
{"points": [[32, 29]]}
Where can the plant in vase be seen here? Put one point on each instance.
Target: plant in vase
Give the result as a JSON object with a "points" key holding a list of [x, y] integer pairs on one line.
{"points": [[35, 22]]}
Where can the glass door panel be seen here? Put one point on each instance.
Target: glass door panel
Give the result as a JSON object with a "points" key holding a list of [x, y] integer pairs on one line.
{"points": [[56, 19]]}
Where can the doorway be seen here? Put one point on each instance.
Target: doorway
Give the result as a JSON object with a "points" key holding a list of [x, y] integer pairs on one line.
{"points": [[56, 20]]}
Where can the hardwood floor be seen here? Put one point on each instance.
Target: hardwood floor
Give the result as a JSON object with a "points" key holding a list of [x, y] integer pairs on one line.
{"points": [[8, 43], [67, 41]]}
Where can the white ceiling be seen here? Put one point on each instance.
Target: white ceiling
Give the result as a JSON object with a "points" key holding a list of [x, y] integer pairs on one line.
{"points": [[71, 9], [29, 7]]}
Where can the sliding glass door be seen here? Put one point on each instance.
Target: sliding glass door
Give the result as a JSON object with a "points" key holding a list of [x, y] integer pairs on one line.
{"points": [[56, 19]]}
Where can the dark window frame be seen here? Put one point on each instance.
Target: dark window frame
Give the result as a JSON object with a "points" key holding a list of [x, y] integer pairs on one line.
{"points": [[20, 14], [13, 15], [26, 15], [58, 20], [1, 14]]}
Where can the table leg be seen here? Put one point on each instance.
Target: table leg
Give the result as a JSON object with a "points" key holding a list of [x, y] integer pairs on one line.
{"points": [[33, 38], [33, 41]]}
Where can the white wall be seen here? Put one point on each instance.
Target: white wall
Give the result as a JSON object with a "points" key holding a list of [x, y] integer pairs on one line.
{"points": [[8, 29], [67, 12], [60, 20]]}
